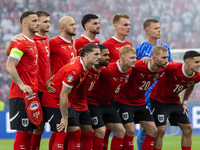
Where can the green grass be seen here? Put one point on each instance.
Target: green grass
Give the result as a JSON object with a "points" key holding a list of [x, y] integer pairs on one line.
{"points": [[169, 143]]}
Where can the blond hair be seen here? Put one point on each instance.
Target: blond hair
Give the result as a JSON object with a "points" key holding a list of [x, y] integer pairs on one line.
{"points": [[156, 50], [126, 49], [117, 17]]}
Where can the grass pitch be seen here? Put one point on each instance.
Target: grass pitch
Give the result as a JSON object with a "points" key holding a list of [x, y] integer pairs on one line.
{"points": [[169, 143]]}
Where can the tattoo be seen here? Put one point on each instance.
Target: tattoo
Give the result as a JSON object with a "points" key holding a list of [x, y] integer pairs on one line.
{"points": [[12, 63]]}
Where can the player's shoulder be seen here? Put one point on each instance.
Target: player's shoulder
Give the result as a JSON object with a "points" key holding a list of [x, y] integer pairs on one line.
{"points": [[21, 44], [81, 38], [53, 40], [107, 42], [163, 44], [142, 45], [128, 42], [174, 65]]}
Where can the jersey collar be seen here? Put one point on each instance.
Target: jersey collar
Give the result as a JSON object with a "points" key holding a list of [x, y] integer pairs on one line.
{"points": [[27, 38], [83, 64], [95, 68], [65, 39], [149, 67], [185, 73], [118, 40], [88, 38], [120, 69], [40, 35]]}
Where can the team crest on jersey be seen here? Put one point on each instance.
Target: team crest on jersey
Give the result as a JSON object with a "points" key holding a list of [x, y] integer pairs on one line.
{"points": [[70, 78], [25, 122], [125, 115], [190, 83], [161, 118], [94, 120], [155, 77], [70, 47], [127, 77]]}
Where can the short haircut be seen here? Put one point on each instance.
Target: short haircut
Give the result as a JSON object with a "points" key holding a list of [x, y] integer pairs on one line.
{"points": [[87, 49], [117, 17], [102, 47], [40, 13], [26, 14], [126, 49], [156, 50], [87, 18], [148, 22], [190, 54]]}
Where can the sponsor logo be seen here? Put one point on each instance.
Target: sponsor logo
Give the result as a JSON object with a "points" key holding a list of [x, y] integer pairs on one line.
{"points": [[15, 116], [70, 78], [34, 105], [161, 118], [94, 120], [25, 122], [155, 77], [142, 75], [125, 115], [70, 47], [190, 83]]}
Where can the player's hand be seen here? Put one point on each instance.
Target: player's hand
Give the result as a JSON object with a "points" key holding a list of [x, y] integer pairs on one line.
{"points": [[63, 125], [145, 60], [26, 88], [49, 87], [17, 37], [185, 109]]}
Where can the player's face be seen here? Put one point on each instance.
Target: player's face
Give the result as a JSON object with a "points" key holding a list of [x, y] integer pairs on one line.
{"points": [[123, 27], [154, 31], [94, 26], [94, 56], [104, 60], [194, 64], [33, 23], [44, 23], [70, 27], [130, 59], [162, 59]]}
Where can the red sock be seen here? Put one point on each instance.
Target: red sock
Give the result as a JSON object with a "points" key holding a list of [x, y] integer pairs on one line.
{"points": [[185, 148], [128, 142], [87, 141], [66, 142], [74, 140], [59, 141], [21, 141], [117, 143], [28, 142], [148, 143], [51, 140], [106, 137], [35, 142], [98, 143], [156, 149]]}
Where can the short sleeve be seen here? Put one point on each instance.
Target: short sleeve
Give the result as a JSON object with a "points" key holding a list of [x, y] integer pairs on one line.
{"points": [[71, 78]]}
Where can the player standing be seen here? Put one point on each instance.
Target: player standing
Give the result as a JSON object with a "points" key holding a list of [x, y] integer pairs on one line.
{"points": [[22, 65], [62, 49], [165, 100], [57, 105], [80, 103], [111, 80], [153, 32], [91, 24], [131, 99]]}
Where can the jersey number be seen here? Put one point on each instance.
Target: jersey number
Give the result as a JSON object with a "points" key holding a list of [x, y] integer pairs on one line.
{"points": [[117, 89], [72, 54], [91, 85], [145, 85], [178, 88]]}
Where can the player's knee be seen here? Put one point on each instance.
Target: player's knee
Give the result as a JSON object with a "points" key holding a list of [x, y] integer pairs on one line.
{"points": [[120, 132], [154, 132], [39, 130], [130, 131], [188, 130], [100, 132], [161, 131]]}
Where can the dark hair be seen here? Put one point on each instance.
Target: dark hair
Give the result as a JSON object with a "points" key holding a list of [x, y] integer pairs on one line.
{"points": [[26, 14], [87, 49], [148, 23], [102, 47], [190, 54], [40, 13], [87, 18]]}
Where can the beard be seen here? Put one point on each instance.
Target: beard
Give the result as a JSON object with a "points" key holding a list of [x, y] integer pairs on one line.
{"points": [[33, 30], [103, 64], [94, 31], [71, 33]]}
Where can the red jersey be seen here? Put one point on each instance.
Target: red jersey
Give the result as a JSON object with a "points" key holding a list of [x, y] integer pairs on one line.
{"points": [[42, 44], [114, 45], [80, 102], [71, 75], [111, 80], [140, 80], [27, 67], [62, 51], [84, 40], [173, 81]]}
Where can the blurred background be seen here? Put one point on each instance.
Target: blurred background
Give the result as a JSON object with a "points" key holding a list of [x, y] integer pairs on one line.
{"points": [[180, 29]]}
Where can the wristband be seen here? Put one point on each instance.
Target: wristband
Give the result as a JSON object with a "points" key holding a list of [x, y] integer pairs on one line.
{"points": [[184, 102]]}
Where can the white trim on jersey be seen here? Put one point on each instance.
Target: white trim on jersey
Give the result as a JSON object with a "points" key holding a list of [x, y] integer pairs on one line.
{"points": [[88, 38], [83, 64], [120, 69], [118, 40], [185, 73], [149, 67], [65, 39], [15, 57], [69, 86]]}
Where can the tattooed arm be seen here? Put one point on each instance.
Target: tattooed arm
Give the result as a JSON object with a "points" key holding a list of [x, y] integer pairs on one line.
{"points": [[11, 68]]}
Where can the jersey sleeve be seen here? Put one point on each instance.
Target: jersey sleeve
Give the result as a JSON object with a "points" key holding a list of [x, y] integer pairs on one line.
{"points": [[70, 79], [17, 50], [52, 46], [137, 48], [169, 58], [77, 44]]}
